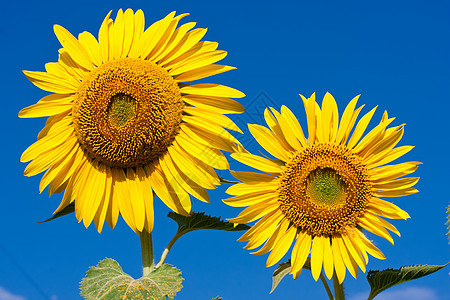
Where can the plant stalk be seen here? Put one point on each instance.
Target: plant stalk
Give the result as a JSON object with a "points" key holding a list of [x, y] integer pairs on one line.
{"points": [[338, 289], [327, 288], [147, 252], [168, 247]]}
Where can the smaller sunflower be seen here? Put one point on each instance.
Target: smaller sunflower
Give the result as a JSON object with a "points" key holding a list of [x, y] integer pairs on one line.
{"points": [[322, 191]]}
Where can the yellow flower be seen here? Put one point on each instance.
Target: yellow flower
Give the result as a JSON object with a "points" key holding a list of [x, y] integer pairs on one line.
{"points": [[322, 190], [123, 125]]}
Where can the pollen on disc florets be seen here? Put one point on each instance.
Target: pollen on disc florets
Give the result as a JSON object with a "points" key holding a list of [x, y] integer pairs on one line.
{"points": [[127, 112], [324, 189]]}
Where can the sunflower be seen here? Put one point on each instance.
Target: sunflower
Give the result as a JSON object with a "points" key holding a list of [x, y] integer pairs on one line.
{"points": [[123, 123], [322, 191]]}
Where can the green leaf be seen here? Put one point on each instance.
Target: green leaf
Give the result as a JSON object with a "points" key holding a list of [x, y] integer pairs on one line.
{"points": [[448, 223], [283, 270], [198, 221], [108, 281], [66, 210], [217, 298], [382, 280]]}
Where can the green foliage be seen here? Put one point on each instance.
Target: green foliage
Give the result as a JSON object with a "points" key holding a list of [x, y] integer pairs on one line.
{"points": [[283, 270], [198, 221], [217, 298], [66, 210], [448, 223], [382, 280], [107, 281]]}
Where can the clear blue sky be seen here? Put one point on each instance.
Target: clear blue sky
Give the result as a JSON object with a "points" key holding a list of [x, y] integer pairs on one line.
{"points": [[395, 53]]}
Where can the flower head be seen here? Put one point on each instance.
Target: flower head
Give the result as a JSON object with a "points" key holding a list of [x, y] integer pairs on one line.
{"points": [[322, 191], [123, 124]]}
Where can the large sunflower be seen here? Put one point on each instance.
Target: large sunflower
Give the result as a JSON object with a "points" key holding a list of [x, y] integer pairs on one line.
{"points": [[322, 191], [123, 125]]}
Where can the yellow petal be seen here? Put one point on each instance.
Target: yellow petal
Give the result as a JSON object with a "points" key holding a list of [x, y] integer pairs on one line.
{"points": [[346, 120], [208, 138], [293, 123], [375, 229], [300, 251], [271, 219], [268, 141], [90, 44], [355, 253], [51, 83], [330, 118], [275, 237], [252, 177], [122, 196], [49, 158], [210, 156], [116, 37], [271, 119], [147, 194], [360, 128], [137, 198], [339, 265], [103, 38], [203, 72], [112, 214], [165, 31], [210, 89], [165, 192], [316, 257], [192, 170], [349, 262], [328, 264], [395, 193], [396, 184], [257, 162], [388, 207], [251, 199], [221, 105], [244, 188], [187, 184], [129, 32], [184, 41], [48, 106], [73, 47], [202, 125], [371, 141], [255, 212], [310, 109], [45, 144], [369, 247], [212, 117], [100, 215], [177, 42], [390, 172], [282, 246], [198, 61], [153, 34]]}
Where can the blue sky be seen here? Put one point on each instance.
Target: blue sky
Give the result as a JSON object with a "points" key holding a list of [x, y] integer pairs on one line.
{"points": [[396, 54]]}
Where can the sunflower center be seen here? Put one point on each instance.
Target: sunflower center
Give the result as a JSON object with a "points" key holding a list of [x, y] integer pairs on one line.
{"points": [[325, 186], [324, 189], [127, 112], [121, 109]]}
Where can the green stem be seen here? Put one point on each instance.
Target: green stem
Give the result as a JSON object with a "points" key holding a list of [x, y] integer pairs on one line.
{"points": [[147, 252], [327, 288], [168, 247], [338, 289]]}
